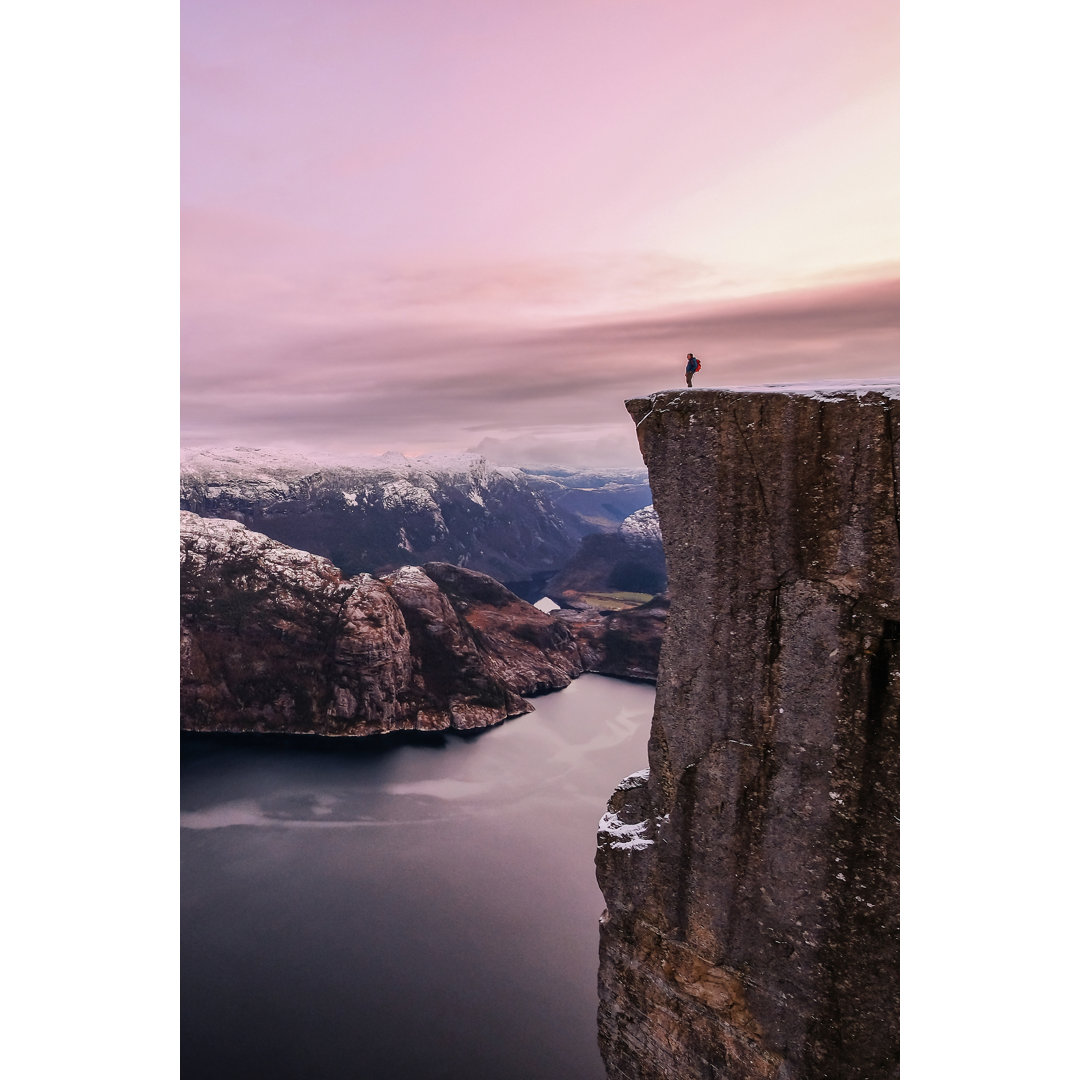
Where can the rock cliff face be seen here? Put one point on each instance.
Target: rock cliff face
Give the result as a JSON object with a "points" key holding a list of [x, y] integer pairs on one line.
{"points": [[750, 874], [276, 639]]}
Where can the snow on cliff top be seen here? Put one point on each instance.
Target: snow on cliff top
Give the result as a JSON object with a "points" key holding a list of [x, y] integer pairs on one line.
{"points": [[826, 388], [204, 538], [821, 389]]}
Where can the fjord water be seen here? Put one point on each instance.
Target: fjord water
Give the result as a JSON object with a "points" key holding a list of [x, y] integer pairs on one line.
{"points": [[402, 907]]}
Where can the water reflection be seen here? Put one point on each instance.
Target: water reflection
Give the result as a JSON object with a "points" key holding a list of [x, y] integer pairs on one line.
{"points": [[406, 908]]}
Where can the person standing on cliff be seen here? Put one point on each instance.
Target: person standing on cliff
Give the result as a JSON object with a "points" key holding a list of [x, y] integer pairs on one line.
{"points": [[693, 365]]}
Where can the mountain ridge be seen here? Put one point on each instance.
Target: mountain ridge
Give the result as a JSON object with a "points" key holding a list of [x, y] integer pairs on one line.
{"points": [[377, 513]]}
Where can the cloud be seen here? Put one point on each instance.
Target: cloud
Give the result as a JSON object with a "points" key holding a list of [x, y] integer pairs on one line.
{"points": [[259, 266], [394, 384], [606, 448]]}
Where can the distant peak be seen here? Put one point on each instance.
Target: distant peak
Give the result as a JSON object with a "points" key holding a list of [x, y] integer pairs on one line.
{"points": [[248, 460]]}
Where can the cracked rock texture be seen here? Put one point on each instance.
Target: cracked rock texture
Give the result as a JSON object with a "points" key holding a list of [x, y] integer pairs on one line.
{"points": [[751, 880], [276, 639]]}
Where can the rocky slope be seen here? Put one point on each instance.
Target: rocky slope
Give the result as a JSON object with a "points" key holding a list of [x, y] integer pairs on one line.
{"points": [[750, 874], [622, 643], [630, 559], [277, 639], [386, 512]]}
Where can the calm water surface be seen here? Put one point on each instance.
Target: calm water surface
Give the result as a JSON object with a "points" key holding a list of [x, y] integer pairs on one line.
{"points": [[402, 908]]}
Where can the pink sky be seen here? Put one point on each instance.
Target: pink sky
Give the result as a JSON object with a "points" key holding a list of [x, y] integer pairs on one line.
{"points": [[484, 223]]}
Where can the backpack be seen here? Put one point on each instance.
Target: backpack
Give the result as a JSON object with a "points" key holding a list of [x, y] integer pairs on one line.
{"points": [[697, 365]]}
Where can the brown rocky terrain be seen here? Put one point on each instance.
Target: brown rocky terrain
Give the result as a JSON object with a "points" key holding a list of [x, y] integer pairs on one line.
{"points": [[277, 639], [621, 643], [750, 874], [524, 649]]}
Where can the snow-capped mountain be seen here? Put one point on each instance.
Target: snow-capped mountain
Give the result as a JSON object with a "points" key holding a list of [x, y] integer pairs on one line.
{"points": [[376, 513], [383, 512], [642, 528]]}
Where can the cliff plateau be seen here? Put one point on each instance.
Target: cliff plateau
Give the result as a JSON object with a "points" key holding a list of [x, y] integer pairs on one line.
{"points": [[750, 874]]}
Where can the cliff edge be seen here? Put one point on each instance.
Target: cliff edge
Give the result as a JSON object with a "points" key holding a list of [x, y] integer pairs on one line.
{"points": [[750, 875]]}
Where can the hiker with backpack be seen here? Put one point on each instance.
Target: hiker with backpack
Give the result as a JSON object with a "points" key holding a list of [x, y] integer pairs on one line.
{"points": [[693, 365]]}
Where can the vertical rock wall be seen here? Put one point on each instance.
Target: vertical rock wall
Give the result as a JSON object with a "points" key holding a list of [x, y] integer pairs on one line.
{"points": [[751, 876]]}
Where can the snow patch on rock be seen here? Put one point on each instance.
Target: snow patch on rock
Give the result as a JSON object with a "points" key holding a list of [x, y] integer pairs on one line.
{"points": [[203, 539], [411, 574], [408, 495], [634, 780], [623, 836]]}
